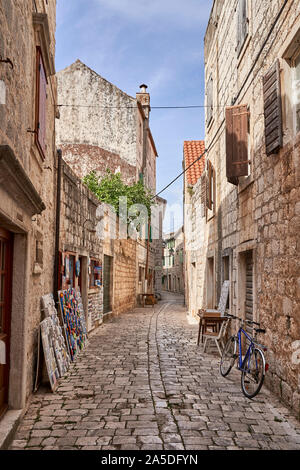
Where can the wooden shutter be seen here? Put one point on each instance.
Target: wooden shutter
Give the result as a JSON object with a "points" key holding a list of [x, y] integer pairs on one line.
{"points": [[236, 142], [242, 26], [203, 195], [41, 104], [209, 185], [272, 109]]}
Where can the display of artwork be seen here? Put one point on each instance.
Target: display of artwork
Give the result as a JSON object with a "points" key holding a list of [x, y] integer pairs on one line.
{"points": [[55, 349], [80, 306], [47, 334], [74, 321]]}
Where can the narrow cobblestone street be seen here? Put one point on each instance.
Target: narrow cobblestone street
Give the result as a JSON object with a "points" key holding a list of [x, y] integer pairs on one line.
{"points": [[142, 383]]}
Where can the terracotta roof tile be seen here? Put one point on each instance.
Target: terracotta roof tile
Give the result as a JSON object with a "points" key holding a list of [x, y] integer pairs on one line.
{"points": [[192, 149]]}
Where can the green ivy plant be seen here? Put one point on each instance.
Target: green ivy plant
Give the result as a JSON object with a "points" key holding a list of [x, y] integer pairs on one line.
{"points": [[111, 187]]}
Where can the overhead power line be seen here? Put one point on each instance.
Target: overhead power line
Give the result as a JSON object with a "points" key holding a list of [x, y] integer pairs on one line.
{"points": [[182, 173], [195, 161], [135, 107]]}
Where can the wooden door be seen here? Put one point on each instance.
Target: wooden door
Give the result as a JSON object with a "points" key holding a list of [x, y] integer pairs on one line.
{"points": [[107, 281], [5, 314]]}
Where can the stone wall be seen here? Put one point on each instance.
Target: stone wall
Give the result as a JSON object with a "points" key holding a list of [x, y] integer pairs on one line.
{"points": [[78, 237], [98, 113], [27, 203], [261, 214], [124, 275]]}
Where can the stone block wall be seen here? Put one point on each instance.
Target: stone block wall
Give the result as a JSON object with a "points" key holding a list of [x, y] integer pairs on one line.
{"points": [[124, 275], [24, 26], [260, 214], [78, 236]]}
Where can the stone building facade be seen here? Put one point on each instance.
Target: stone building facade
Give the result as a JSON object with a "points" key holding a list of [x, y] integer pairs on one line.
{"points": [[28, 164], [157, 244], [84, 251], [102, 128], [80, 250], [173, 264], [251, 179], [194, 224]]}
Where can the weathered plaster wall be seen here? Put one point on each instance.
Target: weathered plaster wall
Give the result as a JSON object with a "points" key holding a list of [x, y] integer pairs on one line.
{"points": [[98, 113]]}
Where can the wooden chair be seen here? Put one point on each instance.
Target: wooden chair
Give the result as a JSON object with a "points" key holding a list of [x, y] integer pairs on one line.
{"points": [[217, 337], [213, 318]]}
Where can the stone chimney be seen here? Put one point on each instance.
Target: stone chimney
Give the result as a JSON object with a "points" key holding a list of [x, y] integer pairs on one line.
{"points": [[144, 99]]}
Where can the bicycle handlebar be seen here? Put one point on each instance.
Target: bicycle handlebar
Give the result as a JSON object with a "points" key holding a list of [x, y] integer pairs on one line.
{"points": [[242, 320]]}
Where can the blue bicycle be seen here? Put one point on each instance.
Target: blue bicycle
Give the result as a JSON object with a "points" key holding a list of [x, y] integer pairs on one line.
{"points": [[253, 366]]}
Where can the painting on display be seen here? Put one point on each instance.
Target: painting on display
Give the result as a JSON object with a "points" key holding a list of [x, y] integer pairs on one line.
{"points": [[47, 335], [81, 309], [74, 321], [56, 352]]}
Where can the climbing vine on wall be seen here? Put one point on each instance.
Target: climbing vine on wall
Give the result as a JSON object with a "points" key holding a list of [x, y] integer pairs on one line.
{"points": [[110, 188]]}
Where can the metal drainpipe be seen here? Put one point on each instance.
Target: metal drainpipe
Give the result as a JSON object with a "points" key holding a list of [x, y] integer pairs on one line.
{"points": [[57, 225]]}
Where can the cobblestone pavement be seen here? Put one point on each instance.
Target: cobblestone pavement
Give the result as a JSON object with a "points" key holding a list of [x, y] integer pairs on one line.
{"points": [[142, 383]]}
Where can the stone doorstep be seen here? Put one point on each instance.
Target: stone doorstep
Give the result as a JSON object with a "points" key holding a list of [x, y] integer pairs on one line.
{"points": [[8, 427]]}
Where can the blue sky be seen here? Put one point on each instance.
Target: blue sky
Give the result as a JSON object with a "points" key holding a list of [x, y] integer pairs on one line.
{"points": [[157, 42]]}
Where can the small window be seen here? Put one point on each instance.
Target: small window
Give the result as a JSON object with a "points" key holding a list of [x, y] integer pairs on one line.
{"points": [[211, 187], [140, 274], [95, 274], [41, 104], [242, 24], [296, 91], [39, 252], [290, 85], [70, 270]]}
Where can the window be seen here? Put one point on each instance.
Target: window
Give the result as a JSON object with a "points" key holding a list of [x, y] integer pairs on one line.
{"points": [[140, 274], [211, 187], [242, 24], [226, 276], [296, 91], [95, 273], [210, 283], [70, 271], [41, 104], [290, 81]]}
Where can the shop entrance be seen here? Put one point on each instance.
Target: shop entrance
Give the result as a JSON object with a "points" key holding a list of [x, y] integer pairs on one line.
{"points": [[107, 283]]}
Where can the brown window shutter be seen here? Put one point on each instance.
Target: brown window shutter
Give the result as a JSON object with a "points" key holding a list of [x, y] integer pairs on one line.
{"points": [[236, 142], [209, 185], [203, 195], [41, 104], [273, 109]]}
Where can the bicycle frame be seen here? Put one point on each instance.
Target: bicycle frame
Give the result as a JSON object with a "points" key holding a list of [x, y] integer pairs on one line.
{"points": [[242, 362]]}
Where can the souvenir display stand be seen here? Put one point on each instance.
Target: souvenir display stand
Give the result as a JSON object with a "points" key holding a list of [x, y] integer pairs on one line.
{"points": [[56, 354], [73, 320]]}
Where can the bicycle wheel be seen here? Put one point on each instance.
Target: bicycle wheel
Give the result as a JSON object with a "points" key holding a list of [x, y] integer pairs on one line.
{"points": [[253, 373], [228, 356]]}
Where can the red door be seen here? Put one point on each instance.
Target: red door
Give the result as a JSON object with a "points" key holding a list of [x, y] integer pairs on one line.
{"points": [[5, 313]]}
